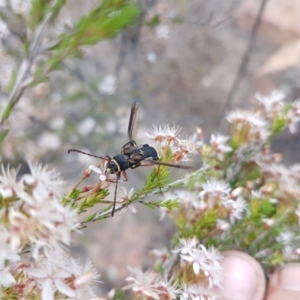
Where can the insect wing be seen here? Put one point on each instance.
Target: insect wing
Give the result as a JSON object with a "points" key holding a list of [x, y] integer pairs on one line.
{"points": [[133, 121], [162, 163]]}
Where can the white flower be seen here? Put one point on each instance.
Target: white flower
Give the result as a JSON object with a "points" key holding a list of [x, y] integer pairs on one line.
{"points": [[293, 116], [126, 198], [8, 182], [44, 221], [188, 202], [237, 208], [285, 237], [276, 172], [219, 145], [198, 292], [143, 283], [223, 225], [251, 125], [108, 85], [20, 227], [183, 148], [167, 139], [150, 284], [55, 271], [164, 132], [202, 260], [88, 275], [49, 179], [101, 172], [127, 194], [268, 222], [214, 191], [159, 256], [295, 171], [169, 289], [297, 212], [6, 279], [186, 246], [272, 103], [185, 198], [216, 186], [6, 252]]}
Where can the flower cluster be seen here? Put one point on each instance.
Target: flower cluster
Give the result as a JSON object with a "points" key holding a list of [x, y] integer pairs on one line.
{"points": [[55, 273], [210, 195], [33, 209], [170, 146], [151, 285], [200, 274], [235, 200], [205, 263], [33, 220], [248, 126], [242, 191]]}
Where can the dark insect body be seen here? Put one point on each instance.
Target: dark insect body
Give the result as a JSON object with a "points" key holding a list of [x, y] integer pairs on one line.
{"points": [[132, 156], [142, 153]]}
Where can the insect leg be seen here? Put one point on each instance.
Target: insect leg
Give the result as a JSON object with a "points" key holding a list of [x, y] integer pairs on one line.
{"points": [[125, 176], [159, 186], [115, 196]]}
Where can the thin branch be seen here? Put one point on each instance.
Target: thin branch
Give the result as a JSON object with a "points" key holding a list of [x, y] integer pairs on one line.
{"points": [[244, 63], [24, 77], [140, 199]]}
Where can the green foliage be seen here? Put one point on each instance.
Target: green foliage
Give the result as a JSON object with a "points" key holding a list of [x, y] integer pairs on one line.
{"points": [[278, 125], [7, 111], [91, 201], [169, 204], [262, 209], [158, 178], [37, 13], [12, 81], [39, 9], [201, 226], [118, 295], [3, 134], [104, 22]]}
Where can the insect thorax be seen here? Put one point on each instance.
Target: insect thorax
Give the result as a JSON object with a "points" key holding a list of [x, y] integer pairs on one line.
{"points": [[117, 164]]}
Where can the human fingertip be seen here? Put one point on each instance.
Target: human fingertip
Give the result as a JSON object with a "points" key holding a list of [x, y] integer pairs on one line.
{"points": [[289, 277], [242, 277]]}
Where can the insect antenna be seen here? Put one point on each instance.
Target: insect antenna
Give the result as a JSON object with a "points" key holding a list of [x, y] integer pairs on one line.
{"points": [[85, 153]]}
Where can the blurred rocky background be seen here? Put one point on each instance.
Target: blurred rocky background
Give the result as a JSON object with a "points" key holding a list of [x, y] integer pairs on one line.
{"points": [[184, 66]]}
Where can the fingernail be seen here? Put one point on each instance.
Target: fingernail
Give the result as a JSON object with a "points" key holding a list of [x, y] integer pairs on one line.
{"points": [[240, 279], [289, 277]]}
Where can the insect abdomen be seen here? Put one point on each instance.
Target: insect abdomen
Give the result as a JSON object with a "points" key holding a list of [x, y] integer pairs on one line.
{"points": [[148, 151]]}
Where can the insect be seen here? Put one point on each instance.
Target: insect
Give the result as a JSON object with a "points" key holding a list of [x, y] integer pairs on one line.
{"points": [[132, 156]]}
